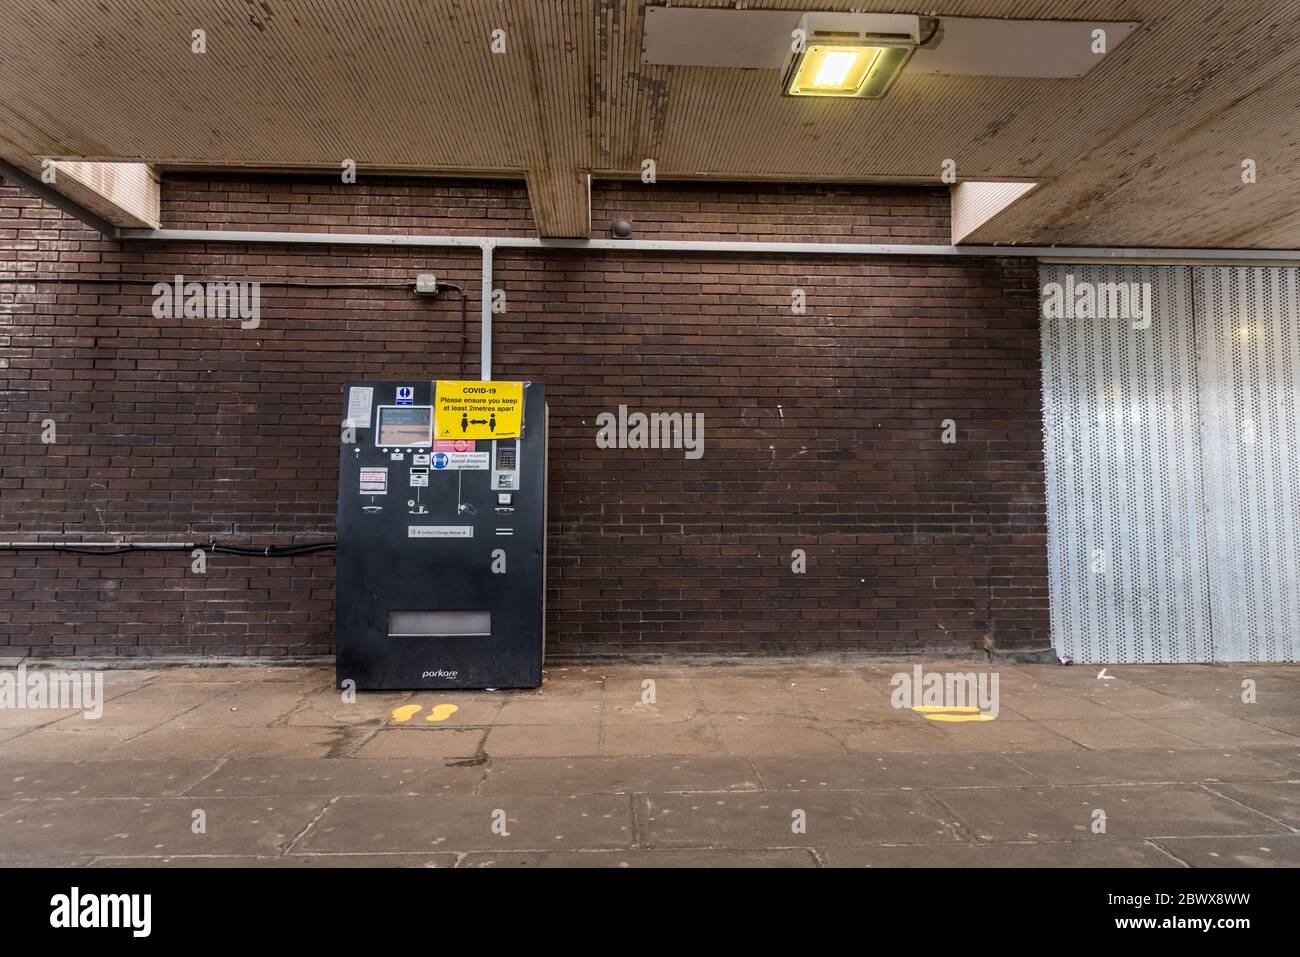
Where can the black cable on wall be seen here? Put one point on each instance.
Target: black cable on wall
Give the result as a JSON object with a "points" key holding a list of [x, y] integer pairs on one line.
{"points": [[213, 546], [252, 551]]}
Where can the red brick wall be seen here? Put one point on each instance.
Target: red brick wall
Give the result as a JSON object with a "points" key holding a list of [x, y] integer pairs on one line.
{"points": [[822, 430], [771, 212]]}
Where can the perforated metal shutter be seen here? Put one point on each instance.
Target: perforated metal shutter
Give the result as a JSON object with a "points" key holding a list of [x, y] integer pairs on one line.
{"points": [[1249, 333], [1173, 468], [1125, 512]]}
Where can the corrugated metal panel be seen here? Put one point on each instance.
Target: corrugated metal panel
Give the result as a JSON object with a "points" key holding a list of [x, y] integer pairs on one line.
{"points": [[1249, 332], [1173, 468], [1125, 533]]}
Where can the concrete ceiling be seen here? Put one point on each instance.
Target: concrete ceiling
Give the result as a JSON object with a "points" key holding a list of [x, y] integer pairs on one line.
{"points": [[1145, 150]]}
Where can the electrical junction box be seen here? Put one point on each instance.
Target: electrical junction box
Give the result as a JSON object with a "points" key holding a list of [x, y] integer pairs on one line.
{"points": [[441, 562]]}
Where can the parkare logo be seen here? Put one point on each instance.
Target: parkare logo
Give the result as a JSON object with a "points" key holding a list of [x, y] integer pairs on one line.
{"points": [[947, 697], [75, 910], [440, 673]]}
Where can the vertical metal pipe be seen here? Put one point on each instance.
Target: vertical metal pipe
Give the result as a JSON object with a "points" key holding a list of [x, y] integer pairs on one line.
{"points": [[485, 361]]}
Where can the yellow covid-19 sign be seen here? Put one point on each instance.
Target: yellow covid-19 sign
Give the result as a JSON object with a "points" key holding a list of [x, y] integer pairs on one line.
{"points": [[478, 410]]}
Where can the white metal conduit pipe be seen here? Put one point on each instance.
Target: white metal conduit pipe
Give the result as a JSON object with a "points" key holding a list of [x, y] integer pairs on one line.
{"points": [[486, 246]]}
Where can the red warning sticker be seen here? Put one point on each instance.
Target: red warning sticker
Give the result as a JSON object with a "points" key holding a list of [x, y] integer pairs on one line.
{"points": [[454, 445]]}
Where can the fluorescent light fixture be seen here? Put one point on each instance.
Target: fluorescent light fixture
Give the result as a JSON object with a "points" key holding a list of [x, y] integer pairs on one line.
{"points": [[849, 54]]}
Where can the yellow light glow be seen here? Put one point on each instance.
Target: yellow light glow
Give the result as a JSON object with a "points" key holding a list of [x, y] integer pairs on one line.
{"points": [[833, 70]]}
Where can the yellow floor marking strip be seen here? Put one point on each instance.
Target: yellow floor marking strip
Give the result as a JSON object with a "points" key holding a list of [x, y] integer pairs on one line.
{"points": [[928, 707], [405, 712], [959, 717], [441, 712]]}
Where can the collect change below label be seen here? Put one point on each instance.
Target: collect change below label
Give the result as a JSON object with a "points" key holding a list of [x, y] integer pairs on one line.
{"points": [[440, 531]]}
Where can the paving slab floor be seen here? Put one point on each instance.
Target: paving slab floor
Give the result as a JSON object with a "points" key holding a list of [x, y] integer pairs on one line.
{"points": [[757, 763]]}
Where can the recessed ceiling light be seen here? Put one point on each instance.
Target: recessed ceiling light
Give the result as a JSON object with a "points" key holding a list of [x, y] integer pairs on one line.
{"points": [[849, 54]]}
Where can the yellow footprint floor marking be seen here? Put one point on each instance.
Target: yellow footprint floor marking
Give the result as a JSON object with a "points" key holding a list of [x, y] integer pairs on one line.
{"points": [[441, 712], [406, 712]]}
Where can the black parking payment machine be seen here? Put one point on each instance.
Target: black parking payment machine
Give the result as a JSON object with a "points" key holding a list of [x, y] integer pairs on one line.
{"points": [[441, 563]]}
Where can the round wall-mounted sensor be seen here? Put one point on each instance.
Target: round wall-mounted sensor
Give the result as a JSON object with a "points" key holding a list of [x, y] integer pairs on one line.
{"points": [[621, 229]]}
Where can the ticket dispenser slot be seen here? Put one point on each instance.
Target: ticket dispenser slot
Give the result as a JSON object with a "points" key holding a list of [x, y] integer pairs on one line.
{"points": [[441, 546]]}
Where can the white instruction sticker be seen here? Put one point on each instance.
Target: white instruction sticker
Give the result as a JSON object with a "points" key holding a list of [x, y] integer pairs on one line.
{"points": [[440, 531], [374, 481], [360, 399]]}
